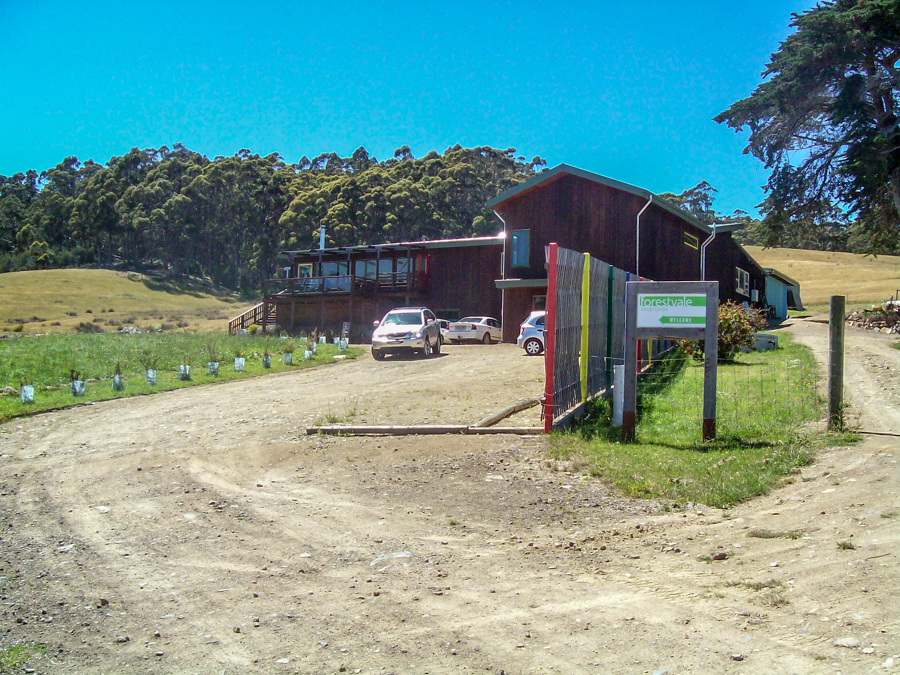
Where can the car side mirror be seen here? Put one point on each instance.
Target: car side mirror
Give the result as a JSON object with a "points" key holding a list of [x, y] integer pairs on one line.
{"points": [[428, 322], [376, 323]]}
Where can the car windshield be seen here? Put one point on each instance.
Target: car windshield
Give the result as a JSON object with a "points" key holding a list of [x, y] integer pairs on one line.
{"points": [[472, 319], [403, 319]]}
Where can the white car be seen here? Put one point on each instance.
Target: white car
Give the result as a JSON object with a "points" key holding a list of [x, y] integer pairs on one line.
{"points": [[445, 328], [531, 333], [484, 329]]}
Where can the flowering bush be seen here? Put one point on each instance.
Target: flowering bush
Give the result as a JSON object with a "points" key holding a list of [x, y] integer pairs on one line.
{"points": [[736, 329]]}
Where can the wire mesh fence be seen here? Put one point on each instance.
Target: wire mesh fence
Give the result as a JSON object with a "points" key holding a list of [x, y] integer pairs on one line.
{"points": [[567, 352], [604, 325], [758, 397]]}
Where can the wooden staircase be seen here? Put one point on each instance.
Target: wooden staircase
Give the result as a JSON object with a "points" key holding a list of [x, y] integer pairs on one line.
{"points": [[262, 315]]}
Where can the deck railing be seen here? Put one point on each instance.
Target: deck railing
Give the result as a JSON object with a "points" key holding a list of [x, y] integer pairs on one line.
{"points": [[397, 282], [260, 315]]}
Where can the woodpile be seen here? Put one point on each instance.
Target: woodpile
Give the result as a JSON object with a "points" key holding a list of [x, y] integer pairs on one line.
{"points": [[884, 319]]}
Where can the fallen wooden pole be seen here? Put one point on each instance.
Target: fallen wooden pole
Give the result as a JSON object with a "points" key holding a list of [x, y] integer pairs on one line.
{"points": [[491, 420], [420, 429], [519, 431]]}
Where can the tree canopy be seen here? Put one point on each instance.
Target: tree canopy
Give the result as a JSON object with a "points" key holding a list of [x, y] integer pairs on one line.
{"points": [[177, 211], [825, 123]]}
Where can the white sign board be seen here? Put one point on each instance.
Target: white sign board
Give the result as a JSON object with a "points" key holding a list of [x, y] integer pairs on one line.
{"points": [[671, 310]]}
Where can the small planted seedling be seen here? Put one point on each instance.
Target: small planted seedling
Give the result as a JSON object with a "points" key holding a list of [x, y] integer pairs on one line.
{"points": [[846, 545], [212, 366], [240, 359], [266, 357], [288, 351], [77, 378], [150, 361], [118, 383], [26, 390]]}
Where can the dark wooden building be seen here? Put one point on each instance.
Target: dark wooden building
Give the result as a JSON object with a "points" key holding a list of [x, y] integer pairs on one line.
{"points": [[506, 276], [324, 288], [625, 226]]}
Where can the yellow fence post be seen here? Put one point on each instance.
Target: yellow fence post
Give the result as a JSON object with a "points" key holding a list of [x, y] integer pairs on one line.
{"points": [[585, 318]]}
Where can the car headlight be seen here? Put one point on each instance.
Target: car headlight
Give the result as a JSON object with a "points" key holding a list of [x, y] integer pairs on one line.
{"points": [[416, 335]]}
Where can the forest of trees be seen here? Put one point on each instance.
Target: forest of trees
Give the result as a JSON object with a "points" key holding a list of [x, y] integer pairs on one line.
{"points": [[177, 212]]}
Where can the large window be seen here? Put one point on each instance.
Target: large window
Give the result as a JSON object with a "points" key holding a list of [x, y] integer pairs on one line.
{"points": [[333, 269], [741, 281], [518, 248]]}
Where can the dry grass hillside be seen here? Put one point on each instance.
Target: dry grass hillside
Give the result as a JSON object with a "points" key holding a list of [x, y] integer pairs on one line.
{"points": [[43, 301], [863, 280]]}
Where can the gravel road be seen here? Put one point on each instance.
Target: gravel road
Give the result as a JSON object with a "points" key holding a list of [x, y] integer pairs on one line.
{"points": [[201, 531]]}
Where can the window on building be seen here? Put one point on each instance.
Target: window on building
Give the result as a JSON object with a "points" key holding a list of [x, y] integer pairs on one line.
{"points": [[365, 269], [691, 240], [333, 269], [518, 248], [539, 302], [741, 281]]}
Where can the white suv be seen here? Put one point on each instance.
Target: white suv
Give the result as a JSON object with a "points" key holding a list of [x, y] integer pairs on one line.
{"points": [[407, 329]]}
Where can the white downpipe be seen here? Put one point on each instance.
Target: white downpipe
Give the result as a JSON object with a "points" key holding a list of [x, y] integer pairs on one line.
{"points": [[321, 238], [502, 273], [703, 253], [503, 258], [637, 242]]}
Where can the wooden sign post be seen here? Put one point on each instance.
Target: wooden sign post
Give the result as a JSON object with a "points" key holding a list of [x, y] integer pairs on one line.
{"points": [[686, 310]]}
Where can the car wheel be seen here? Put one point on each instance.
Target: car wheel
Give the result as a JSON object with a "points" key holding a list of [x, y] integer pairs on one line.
{"points": [[486, 340], [437, 347], [377, 355], [426, 349], [533, 346]]}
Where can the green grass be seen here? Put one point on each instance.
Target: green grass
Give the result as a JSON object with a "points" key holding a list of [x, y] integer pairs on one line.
{"points": [[765, 403], [846, 545], [46, 361], [15, 657]]}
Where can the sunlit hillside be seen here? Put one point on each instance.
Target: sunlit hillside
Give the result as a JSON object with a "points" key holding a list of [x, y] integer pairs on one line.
{"points": [[59, 300], [861, 279]]}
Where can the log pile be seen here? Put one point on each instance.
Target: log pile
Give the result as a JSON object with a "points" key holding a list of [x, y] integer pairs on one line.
{"points": [[884, 319]]}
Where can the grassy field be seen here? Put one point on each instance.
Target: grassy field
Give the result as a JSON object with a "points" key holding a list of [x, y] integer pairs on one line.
{"points": [[54, 301], [46, 362], [765, 404], [863, 280]]}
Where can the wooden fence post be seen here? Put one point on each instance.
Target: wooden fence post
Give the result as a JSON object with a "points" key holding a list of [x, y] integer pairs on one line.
{"points": [[836, 364]]}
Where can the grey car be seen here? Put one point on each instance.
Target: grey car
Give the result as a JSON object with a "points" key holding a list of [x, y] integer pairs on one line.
{"points": [[531, 333], [407, 329]]}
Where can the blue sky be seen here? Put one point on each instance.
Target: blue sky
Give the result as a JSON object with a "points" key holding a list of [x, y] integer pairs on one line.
{"points": [[624, 89]]}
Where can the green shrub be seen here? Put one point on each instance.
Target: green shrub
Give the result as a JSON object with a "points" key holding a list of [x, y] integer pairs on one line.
{"points": [[736, 329], [252, 329]]}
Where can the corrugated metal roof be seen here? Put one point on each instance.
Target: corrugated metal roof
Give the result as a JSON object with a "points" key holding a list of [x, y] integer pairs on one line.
{"points": [[781, 276], [496, 240]]}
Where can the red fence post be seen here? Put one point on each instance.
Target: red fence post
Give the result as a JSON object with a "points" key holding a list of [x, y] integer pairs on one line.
{"points": [[550, 338]]}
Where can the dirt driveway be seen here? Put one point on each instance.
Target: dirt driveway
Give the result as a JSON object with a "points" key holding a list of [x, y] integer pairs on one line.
{"points": [[200, 531]]}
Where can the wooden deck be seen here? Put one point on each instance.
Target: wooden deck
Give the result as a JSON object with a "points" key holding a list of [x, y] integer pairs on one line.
{"points": [[283, 298]]}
